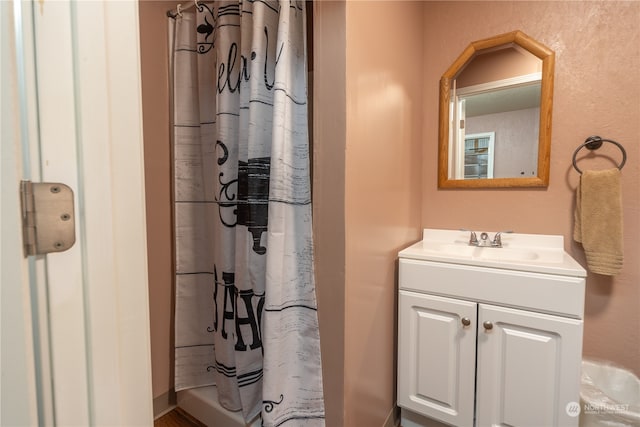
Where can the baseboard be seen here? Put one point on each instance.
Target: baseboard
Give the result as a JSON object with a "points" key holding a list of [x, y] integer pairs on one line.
{"points": [[163, 404], [393, 419]]}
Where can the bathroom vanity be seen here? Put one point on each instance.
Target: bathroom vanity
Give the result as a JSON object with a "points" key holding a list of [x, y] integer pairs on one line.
{"points": [[489, 335]]}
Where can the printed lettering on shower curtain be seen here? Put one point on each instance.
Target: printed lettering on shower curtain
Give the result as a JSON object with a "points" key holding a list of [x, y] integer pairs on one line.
{"points": [[246, 316]]}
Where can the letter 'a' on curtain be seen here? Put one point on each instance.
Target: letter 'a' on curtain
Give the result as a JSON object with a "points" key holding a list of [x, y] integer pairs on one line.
{"points": [[246, 315]]}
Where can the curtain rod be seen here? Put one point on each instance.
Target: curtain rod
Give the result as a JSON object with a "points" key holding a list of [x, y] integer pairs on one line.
{"points": [[174, 13]]}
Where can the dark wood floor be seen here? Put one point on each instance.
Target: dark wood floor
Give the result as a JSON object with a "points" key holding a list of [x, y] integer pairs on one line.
{"points": [[177, 418]]}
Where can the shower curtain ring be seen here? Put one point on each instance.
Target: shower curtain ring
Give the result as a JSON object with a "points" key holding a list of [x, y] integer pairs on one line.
{"points": [[179, 10]]}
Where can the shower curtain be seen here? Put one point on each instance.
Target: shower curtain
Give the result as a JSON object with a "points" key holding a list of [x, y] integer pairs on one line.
{"points": [[246, 317]]}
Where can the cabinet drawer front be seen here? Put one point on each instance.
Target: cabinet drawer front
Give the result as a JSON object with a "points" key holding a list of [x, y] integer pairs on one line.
{"points": [[535, 291], [436, 357], [528, 367]]}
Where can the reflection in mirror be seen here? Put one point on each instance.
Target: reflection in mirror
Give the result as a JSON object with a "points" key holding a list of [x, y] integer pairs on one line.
{"points": [[510, 111], [495, 114]]}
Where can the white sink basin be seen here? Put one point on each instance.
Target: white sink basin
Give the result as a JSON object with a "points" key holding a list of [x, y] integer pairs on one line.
{"points": [[453, 249], [509, 254], [525, 252]]}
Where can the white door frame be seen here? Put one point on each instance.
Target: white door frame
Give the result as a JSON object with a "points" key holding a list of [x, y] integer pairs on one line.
{"points": [[17, 393], [89, 128]]}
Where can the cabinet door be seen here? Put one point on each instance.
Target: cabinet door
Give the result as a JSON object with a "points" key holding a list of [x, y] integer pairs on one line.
{"points": [[436, 356], [528, 368]]}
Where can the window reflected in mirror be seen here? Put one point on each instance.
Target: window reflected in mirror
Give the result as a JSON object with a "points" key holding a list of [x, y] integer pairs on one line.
{"points": [[479, 156]]}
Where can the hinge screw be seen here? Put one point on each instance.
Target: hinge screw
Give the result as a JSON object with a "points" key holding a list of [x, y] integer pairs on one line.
{"points": [[65, 217], [55, 189], [58, 245]]}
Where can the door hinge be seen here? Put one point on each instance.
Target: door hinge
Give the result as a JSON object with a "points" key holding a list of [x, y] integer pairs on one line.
{"points": [[48, 220]]}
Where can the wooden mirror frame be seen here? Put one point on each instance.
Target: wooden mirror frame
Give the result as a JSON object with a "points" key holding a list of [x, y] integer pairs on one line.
{"points": [[546, 105]]}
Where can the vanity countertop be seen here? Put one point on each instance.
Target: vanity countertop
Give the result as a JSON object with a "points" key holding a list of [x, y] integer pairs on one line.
{"points": [[536, 253]]}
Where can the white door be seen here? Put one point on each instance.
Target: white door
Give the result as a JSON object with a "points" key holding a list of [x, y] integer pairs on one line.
{"points": [[436, 357], [78, 352], [528, 368]]}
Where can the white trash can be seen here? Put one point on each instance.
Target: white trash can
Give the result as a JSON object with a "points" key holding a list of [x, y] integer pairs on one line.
{"points": [[609, 395]]}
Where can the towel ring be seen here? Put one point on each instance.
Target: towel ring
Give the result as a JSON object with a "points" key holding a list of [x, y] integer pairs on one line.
{"points": [[595, 142]]}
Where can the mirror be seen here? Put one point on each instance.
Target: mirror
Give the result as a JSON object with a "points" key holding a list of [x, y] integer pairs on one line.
{"points": [[495, 115]]}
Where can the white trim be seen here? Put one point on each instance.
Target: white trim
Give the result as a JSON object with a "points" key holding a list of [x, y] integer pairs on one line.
{"points": [[393, 418], [499, 84], [164, 404], [453, 130], [116, 223], [58, 153], [461, 115], [18, 401]]}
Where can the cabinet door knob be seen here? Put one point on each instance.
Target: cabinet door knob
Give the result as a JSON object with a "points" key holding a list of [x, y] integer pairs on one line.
{"points": [[466, 321], [487, 325]]}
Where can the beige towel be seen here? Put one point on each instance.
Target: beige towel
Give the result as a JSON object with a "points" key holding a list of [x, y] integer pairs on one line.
{"points": [[598, 220]]}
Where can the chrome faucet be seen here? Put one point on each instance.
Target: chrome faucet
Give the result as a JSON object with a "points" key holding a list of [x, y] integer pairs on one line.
{"points": [[497, 239], [473, 239], [484, 239]]}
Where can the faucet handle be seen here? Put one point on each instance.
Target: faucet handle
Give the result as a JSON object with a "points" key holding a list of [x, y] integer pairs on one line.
{"points": [[497, 239], [473, 239]]}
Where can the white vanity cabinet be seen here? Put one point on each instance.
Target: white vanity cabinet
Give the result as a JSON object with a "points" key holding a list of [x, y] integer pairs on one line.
{"points": [[482, 345], [437, 357], [528, 367]]}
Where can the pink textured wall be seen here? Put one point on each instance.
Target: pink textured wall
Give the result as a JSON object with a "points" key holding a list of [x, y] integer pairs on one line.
{"points": [[367, 194], [505, 63], [329, 136], [383, 192], [597, 91], [155, 100]]}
